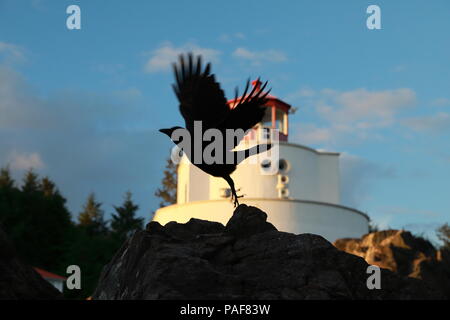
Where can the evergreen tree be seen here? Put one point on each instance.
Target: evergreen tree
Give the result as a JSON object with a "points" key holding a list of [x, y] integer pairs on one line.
{"points": [[373, 227], [5, 178], [47, 187], [36, 220], [9, 195], [443, 233], [91, 252], [168, 190], [30, 182], [124, 222], [36, 224], [91, 218]]}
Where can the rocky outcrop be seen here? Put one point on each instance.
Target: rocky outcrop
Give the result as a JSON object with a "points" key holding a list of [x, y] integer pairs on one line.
{"points": [[246, 259], [403, 253], [18, 280]]}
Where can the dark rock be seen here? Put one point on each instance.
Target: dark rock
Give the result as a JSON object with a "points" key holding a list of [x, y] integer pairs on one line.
{"points": [[20, 281], [247, 221], [403, 253], [247, 259]]}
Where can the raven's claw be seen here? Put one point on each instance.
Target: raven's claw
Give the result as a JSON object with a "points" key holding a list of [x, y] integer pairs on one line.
{"points": [[235, 197]]}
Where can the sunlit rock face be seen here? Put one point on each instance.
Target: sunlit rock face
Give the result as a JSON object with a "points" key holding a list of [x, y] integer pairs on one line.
{"points": [[403, 253], [20, 281], [246, 259]]}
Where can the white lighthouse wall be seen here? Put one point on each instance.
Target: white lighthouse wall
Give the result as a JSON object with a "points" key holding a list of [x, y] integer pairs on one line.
{"points": [[330, 221], [329, 184], [182, 182], [198, 184], [303, 173], [193, 183], [311, 207], [312, 176]]}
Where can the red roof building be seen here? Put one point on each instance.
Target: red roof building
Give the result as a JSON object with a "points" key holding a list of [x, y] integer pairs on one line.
{"points": [[54, 279]]}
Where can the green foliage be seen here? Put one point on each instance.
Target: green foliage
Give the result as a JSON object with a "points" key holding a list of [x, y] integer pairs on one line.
{"points": [[124, 221], [91, 218], [91, 252], [443, 233], [5, 178], [373, 227], [37, 221], [30, 182], [168, 190], [48, 187]]}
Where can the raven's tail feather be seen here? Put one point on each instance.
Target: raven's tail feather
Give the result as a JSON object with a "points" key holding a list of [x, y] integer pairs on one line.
{"points": [[244, 154]]}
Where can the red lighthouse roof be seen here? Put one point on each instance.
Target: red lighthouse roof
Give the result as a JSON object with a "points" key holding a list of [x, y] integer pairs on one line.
{"points": [[272, 100], [276, 115]]}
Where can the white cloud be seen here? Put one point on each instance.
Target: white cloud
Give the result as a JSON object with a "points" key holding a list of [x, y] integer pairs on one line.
{"points": [[436, 123], [259, 57], [11, 53], [83, 141], [383, 222], [310, 134], [18, 109], [358, 177], [129, 94], [372, 108], [441, 102], [161, 58], [21, 108], [24, 161], [230, 37], [303, 92], [350, 116]]}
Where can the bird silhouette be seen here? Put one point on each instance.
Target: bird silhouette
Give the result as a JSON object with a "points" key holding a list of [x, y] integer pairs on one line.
{"points": [[202, 99]]}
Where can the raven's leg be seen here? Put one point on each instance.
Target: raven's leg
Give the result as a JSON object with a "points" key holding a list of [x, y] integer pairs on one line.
{"points": [[233, 190]]}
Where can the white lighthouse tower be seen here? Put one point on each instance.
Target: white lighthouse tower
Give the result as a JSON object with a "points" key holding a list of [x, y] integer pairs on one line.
{"points": [[301, 196]]}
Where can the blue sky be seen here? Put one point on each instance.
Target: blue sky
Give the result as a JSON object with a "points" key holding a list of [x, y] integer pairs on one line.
{"points": [[84, 106]]}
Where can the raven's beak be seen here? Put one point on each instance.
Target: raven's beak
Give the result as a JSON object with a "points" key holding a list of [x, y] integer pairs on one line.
{"points": [[165, 131]]}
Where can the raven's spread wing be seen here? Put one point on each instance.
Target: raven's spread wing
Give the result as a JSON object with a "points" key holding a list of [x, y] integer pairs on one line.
{"points": [[200, 96], [249, 111]]}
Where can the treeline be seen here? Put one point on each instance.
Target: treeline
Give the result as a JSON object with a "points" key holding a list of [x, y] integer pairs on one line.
{"points": [[37, 221]]}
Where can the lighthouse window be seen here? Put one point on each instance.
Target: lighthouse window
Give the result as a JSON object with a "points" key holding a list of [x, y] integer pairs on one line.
{"points": [[266, 163], [284, 193], [267, 119], [225, 192], [280, 121], [283, 165], [266, 134]]}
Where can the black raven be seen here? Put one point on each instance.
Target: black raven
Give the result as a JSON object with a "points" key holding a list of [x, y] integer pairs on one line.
{"points": [[202, 99]]}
